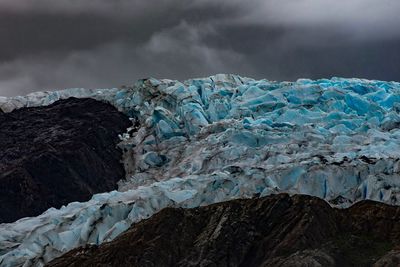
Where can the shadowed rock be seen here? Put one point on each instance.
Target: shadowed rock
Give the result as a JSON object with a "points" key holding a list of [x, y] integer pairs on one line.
{"points": [[53, 155]]}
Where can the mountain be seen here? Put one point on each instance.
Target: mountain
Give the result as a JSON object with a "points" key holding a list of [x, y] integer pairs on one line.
{"points": [[57, 154], [204, 141], [278, 230]]}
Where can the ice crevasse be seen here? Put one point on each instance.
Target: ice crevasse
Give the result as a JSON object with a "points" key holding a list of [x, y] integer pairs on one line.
{"points": [[213, 139]]}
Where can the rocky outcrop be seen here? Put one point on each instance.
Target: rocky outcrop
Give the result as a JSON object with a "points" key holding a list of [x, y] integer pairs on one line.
{"points": [[53, 155], [277, 230]]}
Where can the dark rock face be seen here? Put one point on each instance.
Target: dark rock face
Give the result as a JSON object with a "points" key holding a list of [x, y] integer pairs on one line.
{"points": [[273, 231], [50, 156]]}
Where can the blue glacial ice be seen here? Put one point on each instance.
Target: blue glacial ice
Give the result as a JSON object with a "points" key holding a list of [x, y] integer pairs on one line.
{"points": [[213, 139], [328, 138]]}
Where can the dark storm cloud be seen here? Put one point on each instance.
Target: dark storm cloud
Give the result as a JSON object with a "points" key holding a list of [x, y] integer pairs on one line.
{"points": [[64, 25], [48, 44]]}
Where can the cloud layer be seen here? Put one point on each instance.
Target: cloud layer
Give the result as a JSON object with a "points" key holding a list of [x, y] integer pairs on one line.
{"points": [[49, 44]]}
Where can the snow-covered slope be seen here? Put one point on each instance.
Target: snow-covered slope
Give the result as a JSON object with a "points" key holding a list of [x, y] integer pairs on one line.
{"points": [[207, 140]]}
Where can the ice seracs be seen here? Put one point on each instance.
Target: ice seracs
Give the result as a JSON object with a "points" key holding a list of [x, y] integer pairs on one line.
{"points": [[207, 140], [328, 138]]}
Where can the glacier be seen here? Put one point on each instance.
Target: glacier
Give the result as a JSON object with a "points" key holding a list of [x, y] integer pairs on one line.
{"points": [[207, 140]]}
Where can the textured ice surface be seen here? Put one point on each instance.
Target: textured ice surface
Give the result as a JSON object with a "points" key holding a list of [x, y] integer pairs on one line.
{"points": [[207, 140], [328, 138]]}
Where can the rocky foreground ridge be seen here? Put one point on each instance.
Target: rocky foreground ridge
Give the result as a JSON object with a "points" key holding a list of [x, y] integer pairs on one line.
{"points": [[278, 230]]}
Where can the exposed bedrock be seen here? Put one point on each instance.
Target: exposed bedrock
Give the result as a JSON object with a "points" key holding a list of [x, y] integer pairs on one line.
{"points": [[277, 230], [53, 155]]}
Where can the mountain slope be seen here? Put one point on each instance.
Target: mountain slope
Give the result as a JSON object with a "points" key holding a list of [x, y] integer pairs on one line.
{"points": [[203, 141], [53, 155], [277, 230]]}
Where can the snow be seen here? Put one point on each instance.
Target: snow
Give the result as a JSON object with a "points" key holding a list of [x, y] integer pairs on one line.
{"points": [[213, 139]]}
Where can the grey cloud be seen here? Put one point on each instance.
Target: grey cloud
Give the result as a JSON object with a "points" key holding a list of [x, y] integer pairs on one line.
{"points": [[47, 44], [122, 9], [66, 25], [176, 53], [362, 19]]}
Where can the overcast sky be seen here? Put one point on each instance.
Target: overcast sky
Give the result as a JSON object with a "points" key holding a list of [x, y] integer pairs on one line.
{"points": [[56, 44]]}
